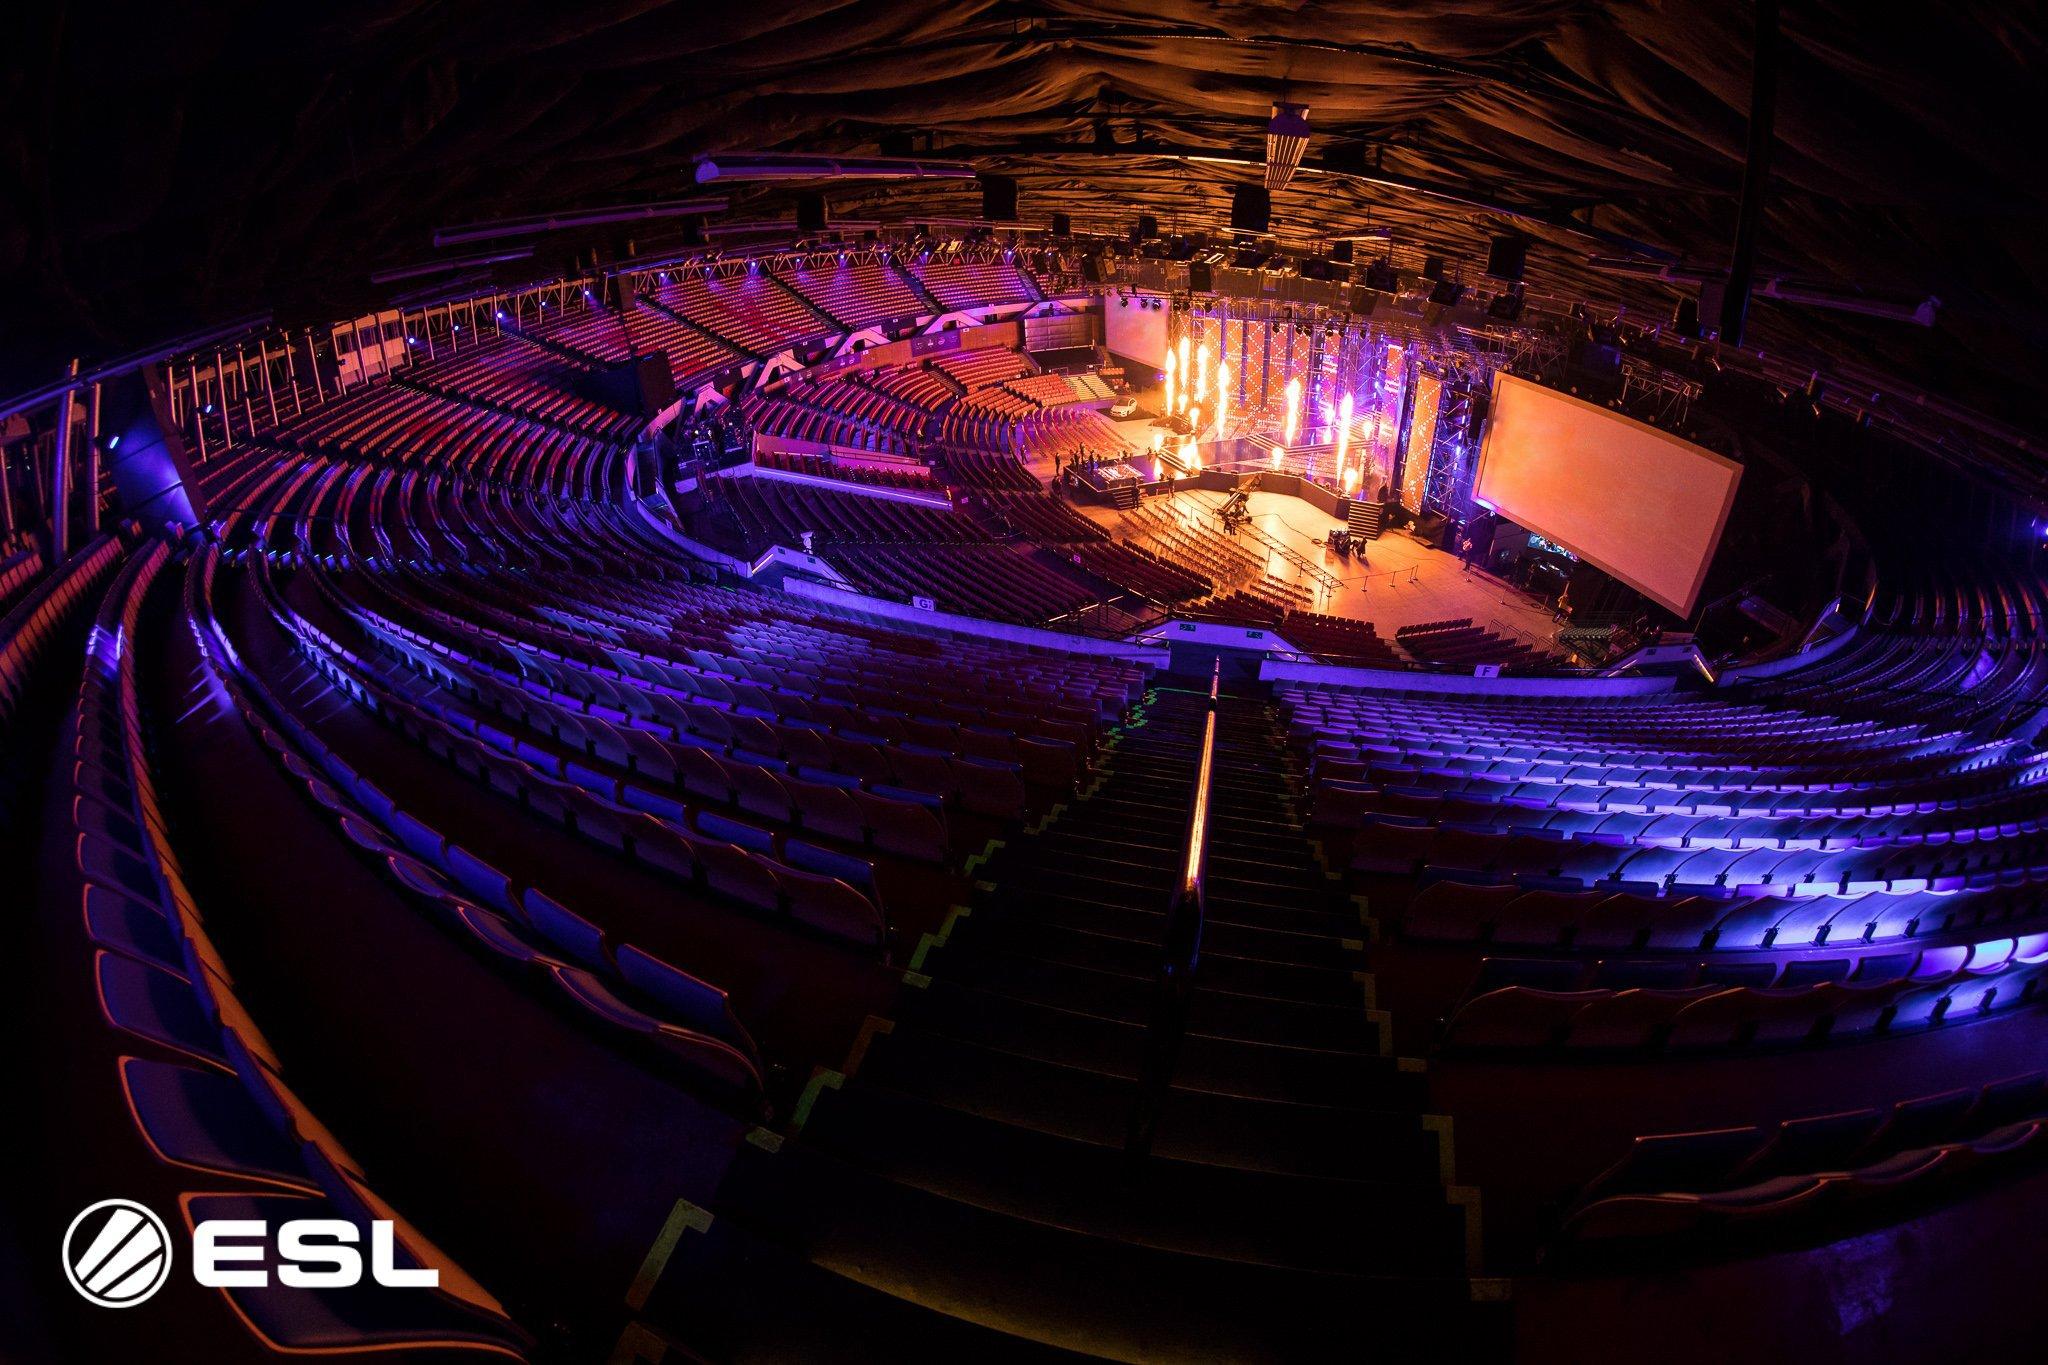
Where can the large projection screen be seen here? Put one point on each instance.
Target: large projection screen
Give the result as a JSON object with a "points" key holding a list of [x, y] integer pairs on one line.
{"points": [[1134, 331], [1639, 503]]}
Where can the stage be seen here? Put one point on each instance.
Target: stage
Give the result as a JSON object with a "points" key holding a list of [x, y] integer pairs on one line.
{"points": [[1400, 581]]}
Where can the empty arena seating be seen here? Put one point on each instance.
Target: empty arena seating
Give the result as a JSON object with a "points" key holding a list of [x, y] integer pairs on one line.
{"points": [[961, 281], [1463, 644], [514, 376], [903, 475], [753, 310], [437, 835], [610, 337], [1338, 638], [405, 425], [859, 293], [1245, 593], [920, 386], [1731, 1186], [980, 369], [971, 468]]}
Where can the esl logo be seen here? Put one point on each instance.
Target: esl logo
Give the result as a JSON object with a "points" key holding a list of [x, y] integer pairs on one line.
{"points": [[117, 1253]]}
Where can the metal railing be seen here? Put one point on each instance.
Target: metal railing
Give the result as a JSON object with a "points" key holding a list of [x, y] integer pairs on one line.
{"points": [[1180, 950]]}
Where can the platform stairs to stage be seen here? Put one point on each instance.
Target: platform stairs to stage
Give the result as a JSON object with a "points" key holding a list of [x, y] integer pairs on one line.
{"points": [[1368, 519]]}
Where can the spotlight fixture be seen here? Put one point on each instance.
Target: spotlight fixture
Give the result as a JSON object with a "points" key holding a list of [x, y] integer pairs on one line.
{"points": [[1286, 140]]}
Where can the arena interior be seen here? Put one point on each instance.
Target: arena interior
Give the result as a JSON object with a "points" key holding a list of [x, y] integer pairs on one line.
{"points": [[1025, 681]]}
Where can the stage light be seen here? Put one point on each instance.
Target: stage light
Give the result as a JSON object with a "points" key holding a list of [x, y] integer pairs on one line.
{"points": [[1343, 429], [1158, 471], [1279, 454], [1182, 350], [1293, 409], [1201, 373], [1195, 418], [1190, 458], [1351, 475], [1222, 398]]}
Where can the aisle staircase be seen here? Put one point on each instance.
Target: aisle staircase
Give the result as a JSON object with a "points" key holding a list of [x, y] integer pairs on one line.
{"points": [[963, 1185]]}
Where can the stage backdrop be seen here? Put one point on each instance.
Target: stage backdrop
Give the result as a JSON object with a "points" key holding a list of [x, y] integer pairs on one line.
{"points": [[1135, 332], [1640, 503]]}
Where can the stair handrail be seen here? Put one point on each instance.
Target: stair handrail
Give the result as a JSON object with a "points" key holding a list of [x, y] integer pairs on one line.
{"points": [[1181, 948]]}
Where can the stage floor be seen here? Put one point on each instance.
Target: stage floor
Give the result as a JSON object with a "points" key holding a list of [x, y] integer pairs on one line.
{"points": [[1400, 582]]}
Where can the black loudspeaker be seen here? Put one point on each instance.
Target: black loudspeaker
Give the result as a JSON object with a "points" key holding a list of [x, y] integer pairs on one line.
{"points": [[1201, 279], [1251, 208], [1506, 256], [1382, 277], [1091, 269], [810, 213], [1686, 319], [1507, 305], [1062, 225], [1432, 267], [1147, 229], [998, 199], [657, 383], [1446, 294], [642, 384], [1340, 251]]}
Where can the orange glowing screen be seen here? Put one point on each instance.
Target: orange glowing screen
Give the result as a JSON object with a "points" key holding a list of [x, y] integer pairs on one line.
{"points": [[1640, 503]]}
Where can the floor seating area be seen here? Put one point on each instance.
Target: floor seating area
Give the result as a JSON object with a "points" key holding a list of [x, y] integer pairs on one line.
{"points": [[1246, 594]]}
